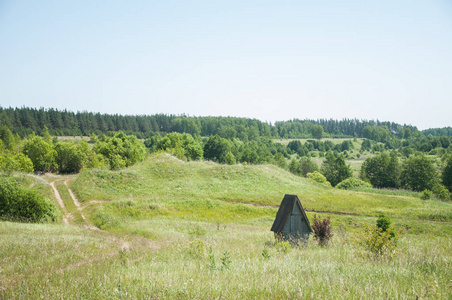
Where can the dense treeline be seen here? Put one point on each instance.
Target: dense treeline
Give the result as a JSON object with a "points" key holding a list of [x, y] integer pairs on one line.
{"points": [[24, 121], [445, 131], [398, 153]]}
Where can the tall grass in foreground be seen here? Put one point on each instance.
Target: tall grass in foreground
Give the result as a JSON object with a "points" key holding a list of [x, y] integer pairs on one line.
{"points": [[204, 260], [176, 230]]}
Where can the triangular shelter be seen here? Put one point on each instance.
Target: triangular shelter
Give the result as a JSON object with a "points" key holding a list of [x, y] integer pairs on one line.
{"points": [[291, 223]]}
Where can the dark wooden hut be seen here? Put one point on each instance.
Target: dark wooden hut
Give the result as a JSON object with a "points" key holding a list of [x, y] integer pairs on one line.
{"points": [[291, 223]]}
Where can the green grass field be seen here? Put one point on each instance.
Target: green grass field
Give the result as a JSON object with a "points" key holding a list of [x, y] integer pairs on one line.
{"points": [[199, 230]]}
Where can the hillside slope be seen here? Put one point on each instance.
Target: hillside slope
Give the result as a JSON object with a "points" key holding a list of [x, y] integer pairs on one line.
{"points": [[199, 230], [168, 182]]}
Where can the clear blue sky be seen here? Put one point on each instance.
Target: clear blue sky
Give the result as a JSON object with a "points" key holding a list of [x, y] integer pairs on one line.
{"points": [[271, 60]]}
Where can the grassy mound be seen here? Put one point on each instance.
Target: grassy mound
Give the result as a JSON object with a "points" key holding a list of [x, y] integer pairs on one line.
{"points": [[191, 188]]}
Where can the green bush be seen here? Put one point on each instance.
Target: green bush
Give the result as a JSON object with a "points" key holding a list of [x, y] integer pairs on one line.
{"points": [[283, 246], [384, 223], [316, 176], [335, 169], [229, 158], [19, 204], [24, 163], [41, 153], [121, 150], [426, 194], [18, 162], [183, 146], [216, 148], [70, 157], [351, 183], [441, 192], [377, 241], [381, 240], [418, 174]]}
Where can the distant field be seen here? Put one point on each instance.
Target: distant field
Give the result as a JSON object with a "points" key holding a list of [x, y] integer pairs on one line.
{"points": [[185, 230], [334, 140], [86, 138]]}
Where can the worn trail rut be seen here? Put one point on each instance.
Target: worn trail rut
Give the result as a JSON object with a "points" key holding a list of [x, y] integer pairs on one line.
{"points": [[68, 217], [79, 208], [306, 209], [60, 202], [66, 214]]}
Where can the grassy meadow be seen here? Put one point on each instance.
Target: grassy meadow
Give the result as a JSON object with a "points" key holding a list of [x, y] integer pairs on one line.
{"points": [[198, 230]]}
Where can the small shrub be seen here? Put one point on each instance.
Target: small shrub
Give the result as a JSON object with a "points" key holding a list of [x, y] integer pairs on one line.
{"points": [[229, 159], [283, 246], [380, 240], [225, 260], [441, 192], [316, 176], [351, 183], [426, 194], [376, 241], [322, 231], [213, 265], [117, 162], [384, 223], [265, 254]]}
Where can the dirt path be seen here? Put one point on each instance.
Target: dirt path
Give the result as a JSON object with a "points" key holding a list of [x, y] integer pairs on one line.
{"points": [[66, 214], [60, 202], [306, 209], [76, 202], [79, 208], [94, 202], [121, 244]]}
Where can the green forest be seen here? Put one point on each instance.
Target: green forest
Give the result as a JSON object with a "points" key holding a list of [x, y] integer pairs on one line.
{"points": [[24, 121], [384, 155], [372, 153]]}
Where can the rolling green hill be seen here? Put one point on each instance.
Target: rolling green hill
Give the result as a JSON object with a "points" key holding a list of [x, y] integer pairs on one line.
{"points": [[176, 185], [170, 229]]}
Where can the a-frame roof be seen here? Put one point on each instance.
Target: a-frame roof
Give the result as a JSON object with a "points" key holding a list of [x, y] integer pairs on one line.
{"points": [[285, 210]]}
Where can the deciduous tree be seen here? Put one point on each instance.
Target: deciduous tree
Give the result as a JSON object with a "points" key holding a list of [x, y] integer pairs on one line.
{"points": [[216, 149], [418, 174], [446, 175], [41, 154], [382, 170], [335, 169], [317, 131]]}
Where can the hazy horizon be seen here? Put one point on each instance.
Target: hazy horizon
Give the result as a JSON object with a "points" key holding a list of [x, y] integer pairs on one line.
{"points": [[272, 61]]}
